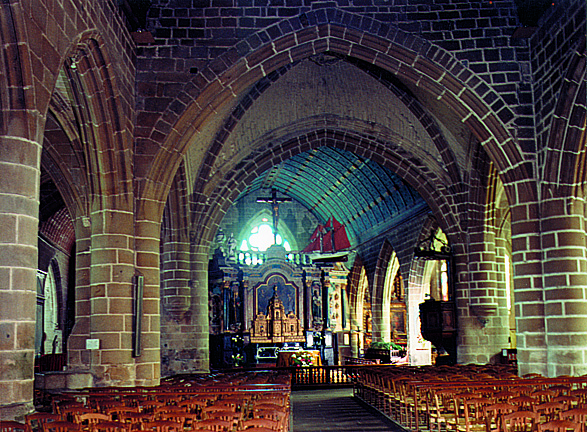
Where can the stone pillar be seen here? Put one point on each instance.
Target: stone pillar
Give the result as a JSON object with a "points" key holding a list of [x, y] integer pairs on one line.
{"points": [[418, 349], [111, 297], [483, 331], [147, 239], [356, 322], [19, 209], [78, 358], [528, 288], [380, 319], [111, 250], [199, 310], [565, 285], [176, 299]]}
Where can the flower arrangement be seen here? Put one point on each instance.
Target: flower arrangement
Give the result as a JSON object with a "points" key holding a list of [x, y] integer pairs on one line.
{"points": [[238, 359], [302, 359]]}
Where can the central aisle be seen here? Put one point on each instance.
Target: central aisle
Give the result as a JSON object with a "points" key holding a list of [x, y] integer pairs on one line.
{"points": [[335, 410]]}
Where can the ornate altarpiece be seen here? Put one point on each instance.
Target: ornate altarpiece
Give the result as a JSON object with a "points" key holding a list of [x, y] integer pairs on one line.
{"points": [[273, 303]]}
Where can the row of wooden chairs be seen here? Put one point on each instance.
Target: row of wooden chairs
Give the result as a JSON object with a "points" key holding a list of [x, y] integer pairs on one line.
{"points": [[229, 402], [472, 398]]}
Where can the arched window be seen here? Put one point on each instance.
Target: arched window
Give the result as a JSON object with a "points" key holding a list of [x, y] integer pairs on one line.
{"points": [[48, 332], [261, 237]]}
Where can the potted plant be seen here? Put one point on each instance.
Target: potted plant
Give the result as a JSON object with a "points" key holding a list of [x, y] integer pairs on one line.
{"points": [[382, 351], [379, 350]]}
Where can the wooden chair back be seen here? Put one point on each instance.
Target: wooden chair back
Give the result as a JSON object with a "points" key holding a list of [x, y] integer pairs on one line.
{"points": [[88, 419], [549, 410], [559, 426], [163, 426], [110, 426], [13, 426], [523, 402], [578, 415], [38, 419], [260, 422], [494, 415], [61, 426], [215, 425], [520, 421]]}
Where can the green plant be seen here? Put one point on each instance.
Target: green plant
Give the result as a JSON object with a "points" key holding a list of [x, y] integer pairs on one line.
{"points": [[395, 346], [386, 346], [380, 345]]}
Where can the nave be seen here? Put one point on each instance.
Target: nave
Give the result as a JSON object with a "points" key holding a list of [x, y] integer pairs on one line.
{"points": [[460, 398], [335, 410]]}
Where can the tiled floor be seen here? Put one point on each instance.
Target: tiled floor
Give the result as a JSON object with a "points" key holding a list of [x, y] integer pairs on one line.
{"points": [[335, 410]]}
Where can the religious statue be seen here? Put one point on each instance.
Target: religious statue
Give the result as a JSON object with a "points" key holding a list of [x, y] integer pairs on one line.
{"points": [[275, 201], [231, 246], [235, 306], [316, 302]]}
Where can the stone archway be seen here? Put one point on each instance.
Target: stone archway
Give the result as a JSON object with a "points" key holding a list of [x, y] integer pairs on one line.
{"points": [[216, 92]]}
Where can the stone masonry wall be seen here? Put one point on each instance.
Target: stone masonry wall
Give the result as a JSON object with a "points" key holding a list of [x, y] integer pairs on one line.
{"points": [[189, 34], [561, 30]]}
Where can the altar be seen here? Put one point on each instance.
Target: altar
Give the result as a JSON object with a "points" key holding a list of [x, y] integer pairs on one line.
{"points": [[259, 310], [284, 358]]}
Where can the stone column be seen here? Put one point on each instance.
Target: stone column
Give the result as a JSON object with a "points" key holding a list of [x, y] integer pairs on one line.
{"points": [[380, 306], [199, 310], [111, 297], [113, 248], [176, 299], [528, 288], [146, 243], [78, 358], [185, 337], [356, 321], [483, 331], [565, 285], [19, 209]]}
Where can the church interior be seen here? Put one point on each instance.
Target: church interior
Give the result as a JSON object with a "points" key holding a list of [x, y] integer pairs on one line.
{"points": [[196, 186]]}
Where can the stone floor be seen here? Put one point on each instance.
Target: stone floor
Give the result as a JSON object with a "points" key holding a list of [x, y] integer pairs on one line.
{"points": [[336, 410]]}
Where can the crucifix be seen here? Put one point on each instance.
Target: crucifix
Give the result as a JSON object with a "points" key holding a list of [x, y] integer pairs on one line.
{"points": [[274, 208]]}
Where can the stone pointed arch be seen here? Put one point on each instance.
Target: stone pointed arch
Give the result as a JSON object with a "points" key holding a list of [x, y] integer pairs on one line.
{"points": [[210, 208], [380, 299], [104, 123], [356, 292], [62, 157], [565, 165], [216, 90], [16, 91]]}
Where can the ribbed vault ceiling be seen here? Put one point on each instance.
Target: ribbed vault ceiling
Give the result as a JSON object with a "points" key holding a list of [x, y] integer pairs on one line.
{"points": [[333, 182]]}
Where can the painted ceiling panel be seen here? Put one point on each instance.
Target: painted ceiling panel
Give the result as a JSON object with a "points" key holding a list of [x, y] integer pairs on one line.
{"points": [[358, 192]]}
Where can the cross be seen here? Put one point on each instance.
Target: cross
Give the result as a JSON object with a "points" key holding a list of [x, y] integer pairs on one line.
{"points": [[275, 208]]}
